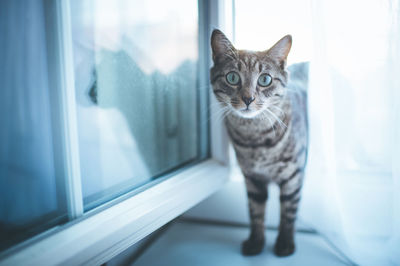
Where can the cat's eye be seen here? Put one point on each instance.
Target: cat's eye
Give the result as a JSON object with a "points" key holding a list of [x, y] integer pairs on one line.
{"points": [[264, 80], [232, 78]]}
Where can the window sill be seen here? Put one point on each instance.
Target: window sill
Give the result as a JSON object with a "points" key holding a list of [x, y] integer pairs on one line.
{"points": [[97, 238]]}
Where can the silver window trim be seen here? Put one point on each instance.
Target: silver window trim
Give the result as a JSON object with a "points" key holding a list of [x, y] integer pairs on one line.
{"points": [[62, 98]]}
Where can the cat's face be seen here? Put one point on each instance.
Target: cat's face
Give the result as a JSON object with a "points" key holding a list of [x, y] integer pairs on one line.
{"points": [[246, 82]]}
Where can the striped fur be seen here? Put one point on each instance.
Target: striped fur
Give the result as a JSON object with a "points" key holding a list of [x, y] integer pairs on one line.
{"points": [[269, 135]]}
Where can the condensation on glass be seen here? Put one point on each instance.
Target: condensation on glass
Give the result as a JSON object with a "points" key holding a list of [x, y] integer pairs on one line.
{"points": [[136, 71]]}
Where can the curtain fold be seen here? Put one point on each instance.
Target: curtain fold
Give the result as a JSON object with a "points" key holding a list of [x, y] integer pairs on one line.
{"points": [[351, 193]]}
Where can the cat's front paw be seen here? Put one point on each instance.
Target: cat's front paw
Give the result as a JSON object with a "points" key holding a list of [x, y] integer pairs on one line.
{"points": [[253, 246], [284, 246]]}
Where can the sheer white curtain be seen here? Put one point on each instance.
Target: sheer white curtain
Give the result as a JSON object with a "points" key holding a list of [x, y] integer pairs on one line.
{"points": [[352, 188]]}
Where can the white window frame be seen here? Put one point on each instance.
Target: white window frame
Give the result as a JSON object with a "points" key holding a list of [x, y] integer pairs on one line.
{"points": [[95, 237]]}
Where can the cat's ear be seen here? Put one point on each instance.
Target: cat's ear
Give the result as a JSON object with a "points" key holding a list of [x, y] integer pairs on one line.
{"points": [[280, 50], [221, 46]]}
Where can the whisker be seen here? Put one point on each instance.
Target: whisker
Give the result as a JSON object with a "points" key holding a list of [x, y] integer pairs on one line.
{"points": [[276, 117], [277, 108], [264, 115], [217, 113]]}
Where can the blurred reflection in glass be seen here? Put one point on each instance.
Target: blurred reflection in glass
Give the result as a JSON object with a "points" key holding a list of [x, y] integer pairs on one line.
{"points": [[136, 86]]}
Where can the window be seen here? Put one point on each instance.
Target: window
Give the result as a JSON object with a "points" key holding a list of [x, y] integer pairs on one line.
{"points": [[138, 99], [105, 113]]}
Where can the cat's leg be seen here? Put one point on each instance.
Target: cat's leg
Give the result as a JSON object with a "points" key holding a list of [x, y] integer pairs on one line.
{"points": [[289, 201], [257, 195]]}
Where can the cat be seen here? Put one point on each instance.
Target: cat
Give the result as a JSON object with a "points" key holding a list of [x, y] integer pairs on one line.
{"points": [[266, 120]]}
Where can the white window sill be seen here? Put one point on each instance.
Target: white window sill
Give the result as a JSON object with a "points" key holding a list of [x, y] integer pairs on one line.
{"points": [[95, 239]]}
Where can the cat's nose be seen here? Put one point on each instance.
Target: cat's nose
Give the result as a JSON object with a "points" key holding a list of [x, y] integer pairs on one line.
{"points": [[248, 100]]}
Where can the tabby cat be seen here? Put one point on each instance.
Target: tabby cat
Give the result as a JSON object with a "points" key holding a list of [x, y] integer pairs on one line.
{"points": [[266, 120]]}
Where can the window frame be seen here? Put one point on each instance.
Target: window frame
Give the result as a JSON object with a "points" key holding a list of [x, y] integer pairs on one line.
{"points": [[98, 235]]}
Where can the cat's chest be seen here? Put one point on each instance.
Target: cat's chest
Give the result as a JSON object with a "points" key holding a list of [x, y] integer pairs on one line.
{"points": [[263, 156], [260, 151], [260, 134]]}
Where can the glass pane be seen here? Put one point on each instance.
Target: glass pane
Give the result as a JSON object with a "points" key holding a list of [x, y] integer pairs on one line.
{"points": [[30, 200], [136, 68]]}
